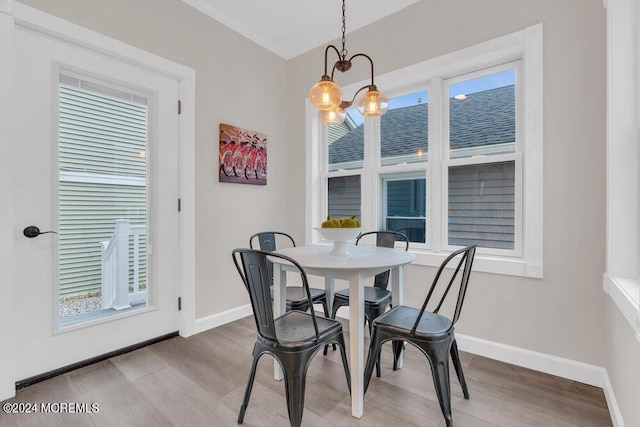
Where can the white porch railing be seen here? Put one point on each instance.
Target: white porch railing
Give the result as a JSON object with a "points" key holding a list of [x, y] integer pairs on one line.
{"points": [[115, 267]]}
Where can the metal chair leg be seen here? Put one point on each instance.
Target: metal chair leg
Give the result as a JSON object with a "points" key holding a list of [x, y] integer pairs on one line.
{"points": [[374, 353], [295, 372], [397, 345], [455, 358], [343, 353], [370, 316], [333, 316], [325, 307], [247, 392], [438, 355]]}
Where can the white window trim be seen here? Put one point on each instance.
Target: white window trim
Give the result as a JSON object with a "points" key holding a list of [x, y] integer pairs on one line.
{"points": [[526, 44], [621, 281]]}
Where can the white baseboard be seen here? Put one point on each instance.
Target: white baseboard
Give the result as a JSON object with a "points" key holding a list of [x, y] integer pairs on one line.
{"points": [[561, 367], [558, 366], [204, 323], [612, 403]]}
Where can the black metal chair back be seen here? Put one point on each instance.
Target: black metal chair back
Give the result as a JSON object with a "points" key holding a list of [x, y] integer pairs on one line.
{"points": [[256, 278], [267, 240], [385, 239], [465, 256]]}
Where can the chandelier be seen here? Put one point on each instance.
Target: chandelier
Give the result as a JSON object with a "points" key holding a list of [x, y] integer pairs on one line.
{"points": [[326, 95]]}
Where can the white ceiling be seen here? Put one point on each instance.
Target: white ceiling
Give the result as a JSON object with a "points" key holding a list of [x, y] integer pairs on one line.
{"points": [[291, 27]]}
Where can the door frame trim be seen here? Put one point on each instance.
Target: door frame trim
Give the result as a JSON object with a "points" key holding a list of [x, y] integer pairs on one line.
{"points": [[14, 14], [7, 234]]}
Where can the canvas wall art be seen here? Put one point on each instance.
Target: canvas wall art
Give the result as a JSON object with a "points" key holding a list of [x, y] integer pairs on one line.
{"points": [[243, 156]]}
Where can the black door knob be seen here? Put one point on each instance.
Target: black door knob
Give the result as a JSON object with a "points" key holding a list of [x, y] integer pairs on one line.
{"points": [[33, 231]]}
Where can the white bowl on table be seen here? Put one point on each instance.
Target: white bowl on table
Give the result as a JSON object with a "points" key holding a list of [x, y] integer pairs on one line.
{"points": [[339, 236]]}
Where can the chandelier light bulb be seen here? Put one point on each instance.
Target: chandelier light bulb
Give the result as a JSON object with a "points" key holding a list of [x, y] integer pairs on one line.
{"points": [[325, 94], [373, 104], [332, 117]]}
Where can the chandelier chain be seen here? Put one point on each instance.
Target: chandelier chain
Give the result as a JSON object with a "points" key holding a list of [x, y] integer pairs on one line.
{"points": [[344, 30]]}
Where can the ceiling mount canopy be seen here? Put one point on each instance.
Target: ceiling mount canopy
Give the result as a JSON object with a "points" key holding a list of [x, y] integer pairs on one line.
{"points": [[326, 95]]}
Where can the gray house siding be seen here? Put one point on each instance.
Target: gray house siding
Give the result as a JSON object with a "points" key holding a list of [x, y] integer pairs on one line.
{"points": [[345, 196], [481, 205], [102, 146], [481, 197]]}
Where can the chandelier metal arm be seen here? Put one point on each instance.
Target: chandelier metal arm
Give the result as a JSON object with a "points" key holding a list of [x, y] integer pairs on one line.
{"points": [[346, 104], [326, 54], [344, 65], [370, 62]]}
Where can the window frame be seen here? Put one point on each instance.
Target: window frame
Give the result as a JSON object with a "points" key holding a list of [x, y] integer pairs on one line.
{"points": [[448, 161], [384, 179], [526, 258]]}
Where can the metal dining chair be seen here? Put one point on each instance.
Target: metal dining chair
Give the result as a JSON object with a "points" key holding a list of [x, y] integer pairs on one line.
{"points": [[377, 297], [429, 331], [296, 297], [292, 339]]}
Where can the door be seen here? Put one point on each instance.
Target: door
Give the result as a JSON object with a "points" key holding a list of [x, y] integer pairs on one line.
{"points": [[66, 181]]}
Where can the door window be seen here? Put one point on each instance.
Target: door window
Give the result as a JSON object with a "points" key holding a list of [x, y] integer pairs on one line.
{"points": [[102, 199]]}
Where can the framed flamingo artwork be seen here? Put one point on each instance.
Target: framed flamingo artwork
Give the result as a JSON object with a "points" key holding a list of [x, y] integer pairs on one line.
{"points": [[243, 156]]}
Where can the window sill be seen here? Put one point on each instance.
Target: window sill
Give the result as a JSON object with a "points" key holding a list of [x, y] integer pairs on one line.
{"points": [[486, 264], [625, 292]]}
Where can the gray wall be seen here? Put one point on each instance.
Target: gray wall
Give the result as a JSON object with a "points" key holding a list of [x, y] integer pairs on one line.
{"points": [[563, 313]]}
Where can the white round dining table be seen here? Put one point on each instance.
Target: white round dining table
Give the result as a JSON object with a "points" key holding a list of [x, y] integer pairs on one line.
{"points": [[361, 263]]}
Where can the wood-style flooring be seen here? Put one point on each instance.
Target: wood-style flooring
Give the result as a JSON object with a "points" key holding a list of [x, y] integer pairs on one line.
{"points": [[200, 381]]}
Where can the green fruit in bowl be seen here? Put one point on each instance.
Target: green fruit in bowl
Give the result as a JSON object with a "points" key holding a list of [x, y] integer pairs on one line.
{"points": [[344, 222], [348, 223], [329, 223]]}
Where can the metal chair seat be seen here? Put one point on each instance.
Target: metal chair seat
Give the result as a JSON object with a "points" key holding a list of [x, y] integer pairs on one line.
{"points": [[297, 298], [399, 320], [372, 295], [295, 330]]}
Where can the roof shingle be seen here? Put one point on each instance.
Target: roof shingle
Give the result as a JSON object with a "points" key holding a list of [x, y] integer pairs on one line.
{"points": [[483, 118]]}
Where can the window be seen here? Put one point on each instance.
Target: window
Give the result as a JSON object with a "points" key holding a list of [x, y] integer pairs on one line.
{"points": [[344, 196], [480, 158], [403, 130], [481, 205], [405, 206], [103, 133], [445, 164]]}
